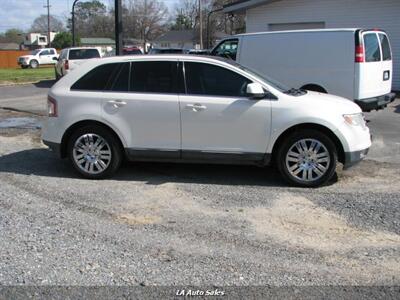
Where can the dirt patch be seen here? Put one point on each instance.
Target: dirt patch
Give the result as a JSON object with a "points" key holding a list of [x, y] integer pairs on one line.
{"points": [[132, 219], [371, 175], [297, 221]]}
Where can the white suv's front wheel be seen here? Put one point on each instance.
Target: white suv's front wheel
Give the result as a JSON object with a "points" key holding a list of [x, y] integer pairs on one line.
{"points": [[94, 152], [307, 158]]}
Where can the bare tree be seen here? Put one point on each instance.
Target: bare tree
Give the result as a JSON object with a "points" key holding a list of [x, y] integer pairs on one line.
{"points": [[145, 19], [40, 24]]}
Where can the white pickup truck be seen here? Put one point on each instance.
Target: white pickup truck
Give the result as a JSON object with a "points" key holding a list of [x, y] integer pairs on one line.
{"points": [[45, 56]]}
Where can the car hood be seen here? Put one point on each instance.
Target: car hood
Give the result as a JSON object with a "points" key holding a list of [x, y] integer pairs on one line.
{"points": [[330, 102], [26, 56]]}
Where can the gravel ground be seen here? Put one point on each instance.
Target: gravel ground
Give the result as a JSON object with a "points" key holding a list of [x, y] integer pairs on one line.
{"points": [[166, 224]]}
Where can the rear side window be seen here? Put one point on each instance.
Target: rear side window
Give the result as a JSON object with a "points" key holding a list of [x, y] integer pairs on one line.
{"points": [[83, 53], [206, 79], [372, 50], [97, 79], [155, 77], [386, 53], [121, 79]]}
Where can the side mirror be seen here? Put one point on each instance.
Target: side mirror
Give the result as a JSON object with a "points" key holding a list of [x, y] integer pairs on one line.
{"points": [[255, 91]]}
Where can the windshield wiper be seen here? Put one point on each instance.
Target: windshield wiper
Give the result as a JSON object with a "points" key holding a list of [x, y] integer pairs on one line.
{"points": [[295, 92]]}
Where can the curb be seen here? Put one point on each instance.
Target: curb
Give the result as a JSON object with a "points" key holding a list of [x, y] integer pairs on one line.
{"points": [[23, 83]]}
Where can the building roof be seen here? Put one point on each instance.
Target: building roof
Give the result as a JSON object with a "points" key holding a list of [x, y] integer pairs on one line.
{"points": [[242, 5], [97, 41], [9, 46], [177, 36]]}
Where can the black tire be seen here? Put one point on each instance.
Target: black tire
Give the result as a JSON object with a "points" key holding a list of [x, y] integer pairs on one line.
{"points": [[114, 147], [34, 64], [24, 67], [308, 135]]}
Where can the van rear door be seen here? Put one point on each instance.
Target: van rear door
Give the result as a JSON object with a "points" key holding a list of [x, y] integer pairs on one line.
{"points": [[373, 65]]}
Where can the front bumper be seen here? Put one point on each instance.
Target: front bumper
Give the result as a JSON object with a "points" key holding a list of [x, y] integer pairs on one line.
{"points": [[55, 147], [352, 158], [379, 102]]}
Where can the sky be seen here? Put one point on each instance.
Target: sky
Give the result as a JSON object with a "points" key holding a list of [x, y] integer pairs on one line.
{"points": [[21, 13]]}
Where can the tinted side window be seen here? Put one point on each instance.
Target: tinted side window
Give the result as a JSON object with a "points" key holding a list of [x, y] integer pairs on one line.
{"points": [[52, 52], [372, 50], [155, 77], [206, 79], [96, 79], [121, 81], [387, 55], [227, 49], [44, 52]]}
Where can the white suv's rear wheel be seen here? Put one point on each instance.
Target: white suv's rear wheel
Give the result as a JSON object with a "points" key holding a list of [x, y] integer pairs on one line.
{"points": [[94, 152], [307, 158]]}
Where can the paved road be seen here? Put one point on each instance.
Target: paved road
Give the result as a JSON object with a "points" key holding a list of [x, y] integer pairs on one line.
{"points": [[27, 97], [171, 224]]}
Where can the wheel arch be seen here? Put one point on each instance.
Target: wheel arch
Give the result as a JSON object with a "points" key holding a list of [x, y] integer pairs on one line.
{"points": [[314, 87], [67, 134], [335, 139]]}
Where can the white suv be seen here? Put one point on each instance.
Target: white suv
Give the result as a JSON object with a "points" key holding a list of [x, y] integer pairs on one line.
{"points": [[199, 109], [70, 58]]}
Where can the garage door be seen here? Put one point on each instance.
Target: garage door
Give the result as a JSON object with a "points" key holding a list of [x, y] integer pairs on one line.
{"points": [[295, 26]]}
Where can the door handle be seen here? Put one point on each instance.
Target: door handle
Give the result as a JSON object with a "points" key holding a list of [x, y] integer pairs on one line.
{"points": [[196, 107], [116, 103]]}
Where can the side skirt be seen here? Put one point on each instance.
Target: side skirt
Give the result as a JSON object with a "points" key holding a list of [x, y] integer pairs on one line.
{"points": [[203, 157]]}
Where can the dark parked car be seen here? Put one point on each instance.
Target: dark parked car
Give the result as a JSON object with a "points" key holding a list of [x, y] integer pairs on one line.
{"points": [[166, 51]]}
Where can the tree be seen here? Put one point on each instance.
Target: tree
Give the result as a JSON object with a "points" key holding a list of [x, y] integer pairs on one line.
{"points": [[182, 22], [12, 35], [145, 19], [40, 24], [63, 40], [93, 20]]}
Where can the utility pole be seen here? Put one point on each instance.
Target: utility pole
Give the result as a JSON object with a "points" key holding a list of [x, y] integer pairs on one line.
{"points": [[201, 25], [118, 27], [73, 22], [48, 22]]}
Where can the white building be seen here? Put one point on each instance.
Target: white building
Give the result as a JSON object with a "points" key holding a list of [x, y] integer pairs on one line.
{"points": [[272, 15], [38, 40]]}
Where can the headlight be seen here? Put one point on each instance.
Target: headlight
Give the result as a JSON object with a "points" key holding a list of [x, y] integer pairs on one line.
{"points": [[355, 120]]}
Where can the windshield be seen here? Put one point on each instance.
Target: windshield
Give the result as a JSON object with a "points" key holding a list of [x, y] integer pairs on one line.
{"points": [[274, 83], [34, 52]]}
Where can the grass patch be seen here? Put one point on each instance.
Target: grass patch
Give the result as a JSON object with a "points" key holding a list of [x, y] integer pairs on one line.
{"points": [[25, 75]]}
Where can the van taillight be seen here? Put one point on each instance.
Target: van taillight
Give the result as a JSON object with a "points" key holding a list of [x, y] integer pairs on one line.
{"points": [[52, 107], [359, 54], [66, 64]]}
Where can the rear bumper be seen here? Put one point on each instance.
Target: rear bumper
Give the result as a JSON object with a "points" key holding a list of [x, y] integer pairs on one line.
{"points": [[379, 102], [352, 158]]}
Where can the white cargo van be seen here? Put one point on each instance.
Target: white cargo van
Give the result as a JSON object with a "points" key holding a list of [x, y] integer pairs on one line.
{"points": [[352, 63]]}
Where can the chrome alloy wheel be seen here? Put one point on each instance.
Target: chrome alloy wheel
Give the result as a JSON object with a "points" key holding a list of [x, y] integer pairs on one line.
{"points": [[92, 153], [308, 160]]}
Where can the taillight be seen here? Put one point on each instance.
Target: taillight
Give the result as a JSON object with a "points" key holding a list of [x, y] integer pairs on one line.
{"points": [[66, 64], [359, 54], [52, 107]]}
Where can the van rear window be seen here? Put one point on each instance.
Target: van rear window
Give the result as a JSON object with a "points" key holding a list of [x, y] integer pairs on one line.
{"points": [[83, 53], [372, 50], [386, 54]]}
